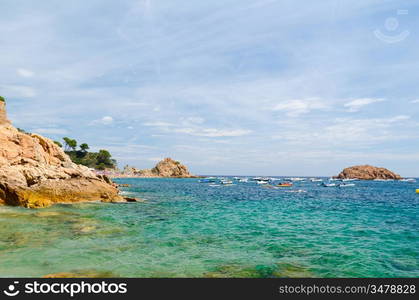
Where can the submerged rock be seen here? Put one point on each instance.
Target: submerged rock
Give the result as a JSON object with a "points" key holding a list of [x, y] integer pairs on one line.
{"points": [[287, 270], [35, 172], [82, 274], [367, 172]]}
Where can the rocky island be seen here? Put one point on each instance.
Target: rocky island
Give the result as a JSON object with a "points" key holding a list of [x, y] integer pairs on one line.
{"points": [[35, 172], [165, 168], [367, 172]]}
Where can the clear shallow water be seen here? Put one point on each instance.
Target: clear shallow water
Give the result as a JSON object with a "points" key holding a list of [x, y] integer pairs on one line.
{"points": [[190, 229]]}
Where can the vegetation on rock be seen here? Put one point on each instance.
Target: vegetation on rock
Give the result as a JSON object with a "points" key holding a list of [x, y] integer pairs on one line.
{"points": [[96, 160]]}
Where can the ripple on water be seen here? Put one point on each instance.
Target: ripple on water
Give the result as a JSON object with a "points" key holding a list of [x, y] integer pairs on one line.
{"points": [[187, 229]]}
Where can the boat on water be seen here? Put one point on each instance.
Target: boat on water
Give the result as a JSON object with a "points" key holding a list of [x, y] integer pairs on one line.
{"points": [[346, 184], [262, 182], [285, 184], [316, 179], [328, 184], [408, 180], [226, 182], [244, 180], [296, 179], [208, 180]]}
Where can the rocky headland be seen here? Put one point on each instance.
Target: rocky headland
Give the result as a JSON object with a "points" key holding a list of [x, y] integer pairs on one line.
{"points": [[165, 168], [367, 172], [35, 172]]}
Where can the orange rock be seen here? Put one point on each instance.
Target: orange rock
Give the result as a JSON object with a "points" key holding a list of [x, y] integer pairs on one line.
{"points": [[165, 168], [367, 172], [35, 172]]}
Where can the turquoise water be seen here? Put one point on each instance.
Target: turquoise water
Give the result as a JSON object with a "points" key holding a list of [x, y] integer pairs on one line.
{"points": [[190, 229]]}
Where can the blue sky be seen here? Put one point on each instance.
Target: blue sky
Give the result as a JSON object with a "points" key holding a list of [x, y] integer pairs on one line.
{"points": [[227, 87]]}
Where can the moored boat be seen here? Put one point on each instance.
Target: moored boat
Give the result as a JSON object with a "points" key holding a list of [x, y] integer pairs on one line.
{"points": [[408, 180], [285, 184], [328, 184], [346, 184]]}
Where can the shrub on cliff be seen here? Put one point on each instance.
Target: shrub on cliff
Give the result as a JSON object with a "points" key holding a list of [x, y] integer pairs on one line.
{"points": [[97, 160]]}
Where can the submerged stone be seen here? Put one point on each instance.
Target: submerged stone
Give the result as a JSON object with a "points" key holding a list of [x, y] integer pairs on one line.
{"points": [[82, 274]]}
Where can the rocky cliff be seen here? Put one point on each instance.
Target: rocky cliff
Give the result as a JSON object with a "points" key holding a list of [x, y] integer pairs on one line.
{"points": [[3, 115], [165, 168], [367, 172], [35, 172]]}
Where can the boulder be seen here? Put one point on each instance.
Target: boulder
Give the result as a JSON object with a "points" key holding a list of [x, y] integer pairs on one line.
{"points": [[367, 172]]}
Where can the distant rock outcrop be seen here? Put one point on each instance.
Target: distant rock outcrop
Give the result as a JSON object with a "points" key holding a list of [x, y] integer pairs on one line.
{"points": [[165, 168], [35, 172], [367, 172]]}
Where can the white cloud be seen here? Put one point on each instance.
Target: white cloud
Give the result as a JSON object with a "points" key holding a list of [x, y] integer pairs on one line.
{"points": [[357, 104], [25, 73], [49, 131], [345, 132], [155, 159], [158, 124], [106, 120], [415, 101], [294, 108], [18, 91], [213, 132], [193, 120]]}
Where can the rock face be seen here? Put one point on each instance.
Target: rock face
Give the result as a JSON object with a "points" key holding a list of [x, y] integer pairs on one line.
{"points": [[3, 116], [367, 172], [35, 172], [165, 168]]}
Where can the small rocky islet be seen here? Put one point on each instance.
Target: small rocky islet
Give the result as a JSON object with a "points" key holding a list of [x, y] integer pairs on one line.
{"points": [[367, 172], [165, 168]]}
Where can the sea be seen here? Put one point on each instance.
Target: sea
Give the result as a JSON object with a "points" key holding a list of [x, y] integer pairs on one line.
{"points": [[187, 229]]}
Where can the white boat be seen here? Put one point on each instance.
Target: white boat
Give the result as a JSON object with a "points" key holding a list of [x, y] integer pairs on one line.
{"points": [[408, 180], [328, 184], [244, 180], [347, 185], [262, 182], [297, 179], [225, 182], [348, 179], [316, 179]]}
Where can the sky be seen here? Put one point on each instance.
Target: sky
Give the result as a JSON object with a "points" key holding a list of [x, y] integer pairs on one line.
{"points": [[240, 87]]}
